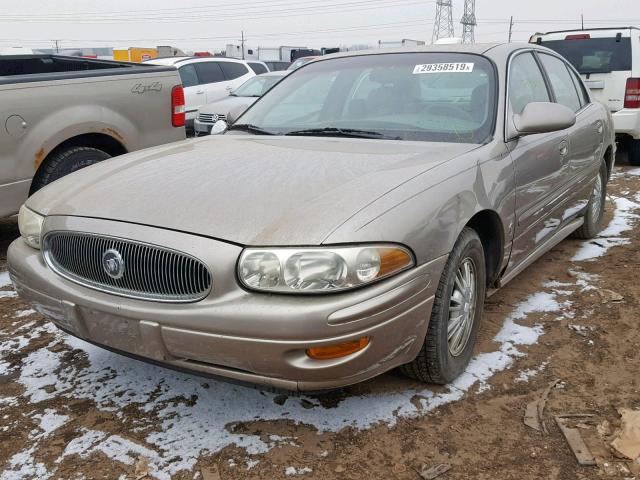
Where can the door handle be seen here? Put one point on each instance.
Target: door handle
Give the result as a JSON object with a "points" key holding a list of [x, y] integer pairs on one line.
{"points": [[229, 88], [199, 92], [564, 149]]}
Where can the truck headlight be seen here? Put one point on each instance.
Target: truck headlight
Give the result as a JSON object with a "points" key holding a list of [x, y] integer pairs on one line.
{"points": [[30, 226], [320, 269]]}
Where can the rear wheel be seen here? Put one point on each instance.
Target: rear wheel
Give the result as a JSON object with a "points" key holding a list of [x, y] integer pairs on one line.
{"points": [[64, 162], [595, 208], [634, 152], [455, 316]]}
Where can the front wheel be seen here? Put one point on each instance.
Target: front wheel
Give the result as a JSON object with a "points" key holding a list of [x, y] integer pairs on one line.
{"points": [[456, 314], [595, 208]]}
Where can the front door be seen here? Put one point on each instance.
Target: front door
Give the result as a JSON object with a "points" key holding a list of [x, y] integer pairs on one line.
{"points": [[540, 162]]}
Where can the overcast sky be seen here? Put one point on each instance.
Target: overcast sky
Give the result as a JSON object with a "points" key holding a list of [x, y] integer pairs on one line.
{"points": [[209, 25]]}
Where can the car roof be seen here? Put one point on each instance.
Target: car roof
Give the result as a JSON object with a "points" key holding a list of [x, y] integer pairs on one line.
{"points": [[578, 30], [177, 60]]}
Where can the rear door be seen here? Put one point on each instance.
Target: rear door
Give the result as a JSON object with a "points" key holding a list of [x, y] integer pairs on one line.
{"points": [[212, 81], [603, 59], [583, 155], [236, 74]]}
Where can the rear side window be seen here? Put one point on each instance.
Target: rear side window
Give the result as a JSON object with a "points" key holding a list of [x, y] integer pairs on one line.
{"points": [[582, 90], [561, 82], [233, 70], [526, 83], [258, 68], [595, 55], [188, 76], [209, 72]]}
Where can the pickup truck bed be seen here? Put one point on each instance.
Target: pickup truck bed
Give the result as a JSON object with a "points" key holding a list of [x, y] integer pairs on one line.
{"points": [[59, 114]]}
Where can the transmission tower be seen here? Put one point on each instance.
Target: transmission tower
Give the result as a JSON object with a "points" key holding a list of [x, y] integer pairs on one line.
{"points": [[443, 27], [469, 21]]}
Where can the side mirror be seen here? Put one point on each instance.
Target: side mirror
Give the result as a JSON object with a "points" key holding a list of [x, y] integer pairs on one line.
{"points": [[543, 117], [219, 127]]}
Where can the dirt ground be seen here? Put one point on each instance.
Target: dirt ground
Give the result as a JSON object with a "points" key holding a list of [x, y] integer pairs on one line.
{"points": [[564, 320]]}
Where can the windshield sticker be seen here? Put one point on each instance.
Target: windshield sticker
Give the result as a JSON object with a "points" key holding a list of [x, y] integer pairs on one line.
{"points": [[443, 67]]}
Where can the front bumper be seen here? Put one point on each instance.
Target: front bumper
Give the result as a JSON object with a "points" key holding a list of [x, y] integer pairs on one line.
{"points": [[627, 122], [202, 128], [251, 337]]}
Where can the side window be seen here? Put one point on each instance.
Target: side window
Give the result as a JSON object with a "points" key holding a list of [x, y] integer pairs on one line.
{"points": [[233, 70], [582, 90], [561, 82], [526, 83], [209, 72], [188, 76], [258, 68]]}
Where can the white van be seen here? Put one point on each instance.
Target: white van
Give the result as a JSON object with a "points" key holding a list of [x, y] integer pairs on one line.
{"points": [[206, 79], [609, 61]]}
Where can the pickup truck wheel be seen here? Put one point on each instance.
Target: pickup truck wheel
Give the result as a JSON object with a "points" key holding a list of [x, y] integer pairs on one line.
{"points": [[634, 152], [64, 162], [595, 208], [456, 314]]}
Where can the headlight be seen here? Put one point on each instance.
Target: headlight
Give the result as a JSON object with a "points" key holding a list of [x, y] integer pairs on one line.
{"points": [[320, 270], [30, 225]]}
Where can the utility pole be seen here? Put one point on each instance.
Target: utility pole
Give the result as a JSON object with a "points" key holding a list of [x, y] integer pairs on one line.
{"points": [[510, 28], [469, 22], [242, 43], [582, 18], [57, 46], [443, 27]]}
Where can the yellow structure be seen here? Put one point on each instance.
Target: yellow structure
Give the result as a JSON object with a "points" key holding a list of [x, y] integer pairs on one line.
{"points": [[134, 54]]}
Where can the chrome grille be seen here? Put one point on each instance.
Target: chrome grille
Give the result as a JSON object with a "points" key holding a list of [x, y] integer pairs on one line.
{"points": [[211, 117], [150, 272]]}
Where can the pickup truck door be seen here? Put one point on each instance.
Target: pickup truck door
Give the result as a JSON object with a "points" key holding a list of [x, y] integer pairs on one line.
{"points": [[540, 163]]}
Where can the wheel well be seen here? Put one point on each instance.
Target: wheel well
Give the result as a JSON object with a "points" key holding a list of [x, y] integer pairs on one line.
{"points": [[101, 141], [488, 226]]}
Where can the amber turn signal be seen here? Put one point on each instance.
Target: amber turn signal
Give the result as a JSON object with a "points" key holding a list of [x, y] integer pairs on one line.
{"points": [[337, 351]]}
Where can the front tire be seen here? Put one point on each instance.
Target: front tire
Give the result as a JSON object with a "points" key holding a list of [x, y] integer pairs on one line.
{"points": [[595, 208], [64, 162], [455, 316]]}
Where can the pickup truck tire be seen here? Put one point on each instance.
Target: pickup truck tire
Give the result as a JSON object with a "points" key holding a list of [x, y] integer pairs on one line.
{"points": [[634, 152], [64, 162], [595, 208], [457, 308]]}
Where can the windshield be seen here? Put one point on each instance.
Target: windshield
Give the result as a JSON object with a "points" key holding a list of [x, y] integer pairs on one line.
{"points": [[256, 86], [441, 97], [595, 55]]}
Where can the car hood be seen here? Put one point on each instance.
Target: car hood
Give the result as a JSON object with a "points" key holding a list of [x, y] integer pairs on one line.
{"points": [[224, 106], [246, 189]]}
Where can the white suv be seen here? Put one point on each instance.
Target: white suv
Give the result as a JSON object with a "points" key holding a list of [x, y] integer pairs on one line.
{"points": [[609, 61], [206, 79]]}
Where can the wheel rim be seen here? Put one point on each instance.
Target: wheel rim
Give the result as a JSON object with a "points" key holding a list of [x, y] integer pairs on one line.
{"points": [[596, 200], [462, 307]]}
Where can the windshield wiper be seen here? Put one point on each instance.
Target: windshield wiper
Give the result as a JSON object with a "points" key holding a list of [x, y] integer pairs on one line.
{"points": [[247, 127], [341, 132]]}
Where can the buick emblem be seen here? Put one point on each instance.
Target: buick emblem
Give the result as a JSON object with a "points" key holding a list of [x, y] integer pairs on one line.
{"points": [[113, 264]]}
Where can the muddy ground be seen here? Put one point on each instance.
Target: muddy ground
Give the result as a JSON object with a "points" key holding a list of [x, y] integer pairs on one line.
{"points": [[70, 410]]}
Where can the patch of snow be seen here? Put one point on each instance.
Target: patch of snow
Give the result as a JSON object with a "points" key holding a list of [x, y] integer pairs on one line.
{"points": [[635, 171], [8, 294], [23, 313], [50, 421], [252, 463], [525, 375], [4, 279], [290, 471]]}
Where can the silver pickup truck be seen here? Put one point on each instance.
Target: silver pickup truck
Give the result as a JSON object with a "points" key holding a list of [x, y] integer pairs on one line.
{"points": [[59, 114]]}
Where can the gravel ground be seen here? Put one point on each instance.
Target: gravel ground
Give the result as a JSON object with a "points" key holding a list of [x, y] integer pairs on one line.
{"points": [[72, 410]]}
